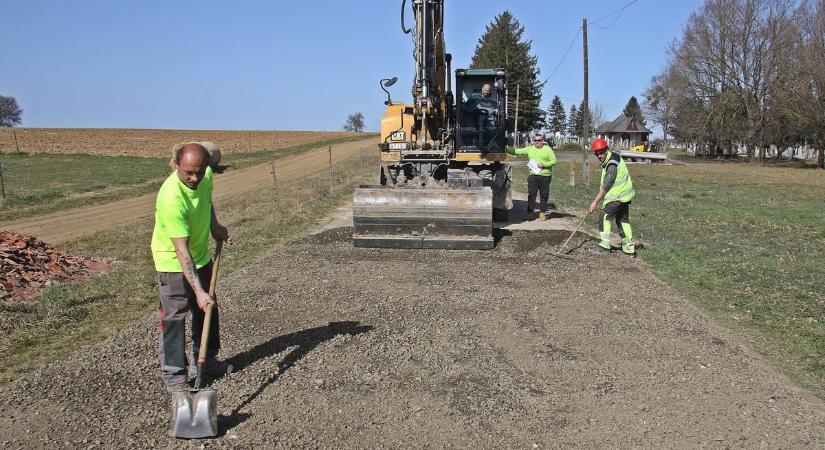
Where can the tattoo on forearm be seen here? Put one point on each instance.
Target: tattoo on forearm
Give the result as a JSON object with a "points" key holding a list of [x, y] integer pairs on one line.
{"points": [[189, 272]]}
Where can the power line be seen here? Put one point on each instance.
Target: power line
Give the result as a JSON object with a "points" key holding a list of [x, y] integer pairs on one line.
{"points": [[618, 11], [573, 41], [570, 47]]}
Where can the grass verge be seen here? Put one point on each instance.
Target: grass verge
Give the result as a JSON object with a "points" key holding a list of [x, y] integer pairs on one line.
{"points": [[40, 183], [743, 242], [75, 314]]}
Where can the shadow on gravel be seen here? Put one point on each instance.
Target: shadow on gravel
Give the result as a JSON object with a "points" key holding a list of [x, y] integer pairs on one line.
{"points": [[499, 234], [304, 340], [519, 212]]}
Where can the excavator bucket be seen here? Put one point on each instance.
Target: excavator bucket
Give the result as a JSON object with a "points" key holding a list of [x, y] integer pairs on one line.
{"points": [[416, 217]]}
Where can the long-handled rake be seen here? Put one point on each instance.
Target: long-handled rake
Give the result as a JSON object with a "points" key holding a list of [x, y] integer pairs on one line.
{"points": [[559, 251]]}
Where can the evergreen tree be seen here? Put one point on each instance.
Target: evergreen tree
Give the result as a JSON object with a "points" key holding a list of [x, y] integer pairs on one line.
{"points": [[556, 117], [502, 46], [634, 110], [572, 120], [580, 119]]}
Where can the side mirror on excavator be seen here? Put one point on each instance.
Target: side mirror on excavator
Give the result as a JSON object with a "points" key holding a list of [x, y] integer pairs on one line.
{"points": [[385, 83]]}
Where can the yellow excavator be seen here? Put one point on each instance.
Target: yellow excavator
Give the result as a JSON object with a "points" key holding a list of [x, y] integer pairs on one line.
{"points": [[441, 182]]}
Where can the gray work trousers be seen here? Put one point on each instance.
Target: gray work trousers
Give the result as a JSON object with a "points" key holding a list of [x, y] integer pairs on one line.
{"points": [[176, 299]]}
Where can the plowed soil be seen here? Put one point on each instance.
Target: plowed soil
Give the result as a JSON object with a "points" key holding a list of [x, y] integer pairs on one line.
{"points": [[346, 347], [147, 142]]}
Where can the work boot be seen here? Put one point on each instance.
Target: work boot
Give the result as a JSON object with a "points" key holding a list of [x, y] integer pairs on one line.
{"points": [[531, 215], [177, 387], [629, 254], [542, 217], [215, 368]]}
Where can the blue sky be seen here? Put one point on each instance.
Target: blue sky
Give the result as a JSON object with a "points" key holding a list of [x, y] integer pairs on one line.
{"points": [[287, 65]]}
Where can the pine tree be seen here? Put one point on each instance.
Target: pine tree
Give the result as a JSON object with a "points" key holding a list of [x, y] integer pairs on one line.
{"points": [[634, 110], [502, 46], [572, 120], [580, 119], [556, 117]]}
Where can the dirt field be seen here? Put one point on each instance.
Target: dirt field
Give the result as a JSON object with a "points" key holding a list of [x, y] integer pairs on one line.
{"points": [[143, 142], [63, 225], [346, 347]]}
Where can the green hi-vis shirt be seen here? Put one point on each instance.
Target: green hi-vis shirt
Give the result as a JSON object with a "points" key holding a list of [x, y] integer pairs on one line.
{"points": [[544, 155], [182, 212]]}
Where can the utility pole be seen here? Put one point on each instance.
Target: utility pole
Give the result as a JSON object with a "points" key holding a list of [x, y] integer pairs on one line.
{"points": [[515, 127], [585, 112]]}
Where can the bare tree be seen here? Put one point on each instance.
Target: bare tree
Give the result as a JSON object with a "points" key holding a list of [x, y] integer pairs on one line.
{"points": [[355, 122], [811, 17], [726, 68], [10, 112], [660, 97], [597, 115]]}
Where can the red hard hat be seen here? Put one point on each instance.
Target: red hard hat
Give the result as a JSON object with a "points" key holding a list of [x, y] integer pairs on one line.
{"points": [[599, 145]]}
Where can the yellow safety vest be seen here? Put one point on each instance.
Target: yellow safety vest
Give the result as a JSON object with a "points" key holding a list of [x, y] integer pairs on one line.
{"points": [[622, 190]]}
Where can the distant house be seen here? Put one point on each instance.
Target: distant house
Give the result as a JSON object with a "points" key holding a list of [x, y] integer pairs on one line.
{"points": [[623, 132]]}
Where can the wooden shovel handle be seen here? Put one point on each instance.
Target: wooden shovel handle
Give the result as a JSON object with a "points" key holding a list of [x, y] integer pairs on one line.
{"points": [[207, 319]]}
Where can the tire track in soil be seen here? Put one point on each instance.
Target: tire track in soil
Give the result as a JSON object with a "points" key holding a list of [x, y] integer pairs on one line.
{"points": [[77, 222]]}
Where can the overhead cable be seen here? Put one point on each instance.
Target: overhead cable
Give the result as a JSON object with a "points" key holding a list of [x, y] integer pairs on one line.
{"points": [[619, 15]]}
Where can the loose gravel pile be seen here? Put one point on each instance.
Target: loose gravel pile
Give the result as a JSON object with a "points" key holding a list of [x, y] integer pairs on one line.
{"points": [[346, 347]]}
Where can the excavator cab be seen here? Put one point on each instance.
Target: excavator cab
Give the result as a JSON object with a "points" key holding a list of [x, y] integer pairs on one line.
{"points": [[480, 109]]}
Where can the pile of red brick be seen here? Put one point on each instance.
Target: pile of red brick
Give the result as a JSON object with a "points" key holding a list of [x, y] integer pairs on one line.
{"points": [[28, 264]]}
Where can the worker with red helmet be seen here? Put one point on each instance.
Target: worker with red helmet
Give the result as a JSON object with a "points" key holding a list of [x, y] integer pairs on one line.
{"points": [[615, 195]]}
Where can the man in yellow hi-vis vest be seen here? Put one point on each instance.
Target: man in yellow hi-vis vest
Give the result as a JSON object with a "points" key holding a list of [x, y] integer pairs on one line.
{"points": [[615, 195]]}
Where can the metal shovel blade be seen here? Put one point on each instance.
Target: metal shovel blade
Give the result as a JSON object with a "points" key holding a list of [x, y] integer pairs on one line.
{"points": [[194, 414]]}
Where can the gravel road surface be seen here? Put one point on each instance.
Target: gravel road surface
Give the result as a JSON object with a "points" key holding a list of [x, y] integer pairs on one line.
{"points": [[347, 347]]}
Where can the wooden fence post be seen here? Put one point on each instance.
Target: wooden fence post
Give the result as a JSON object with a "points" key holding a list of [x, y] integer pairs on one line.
{"points": [[573, 173], [14, 132], [274, 181], [2, 182]]}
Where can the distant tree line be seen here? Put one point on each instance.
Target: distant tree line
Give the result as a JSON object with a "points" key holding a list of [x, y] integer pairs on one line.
{"points": [[749, 72]]}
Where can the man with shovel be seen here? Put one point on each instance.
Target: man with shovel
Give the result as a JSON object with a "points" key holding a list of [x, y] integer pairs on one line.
{"points": [[184, 218]]}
